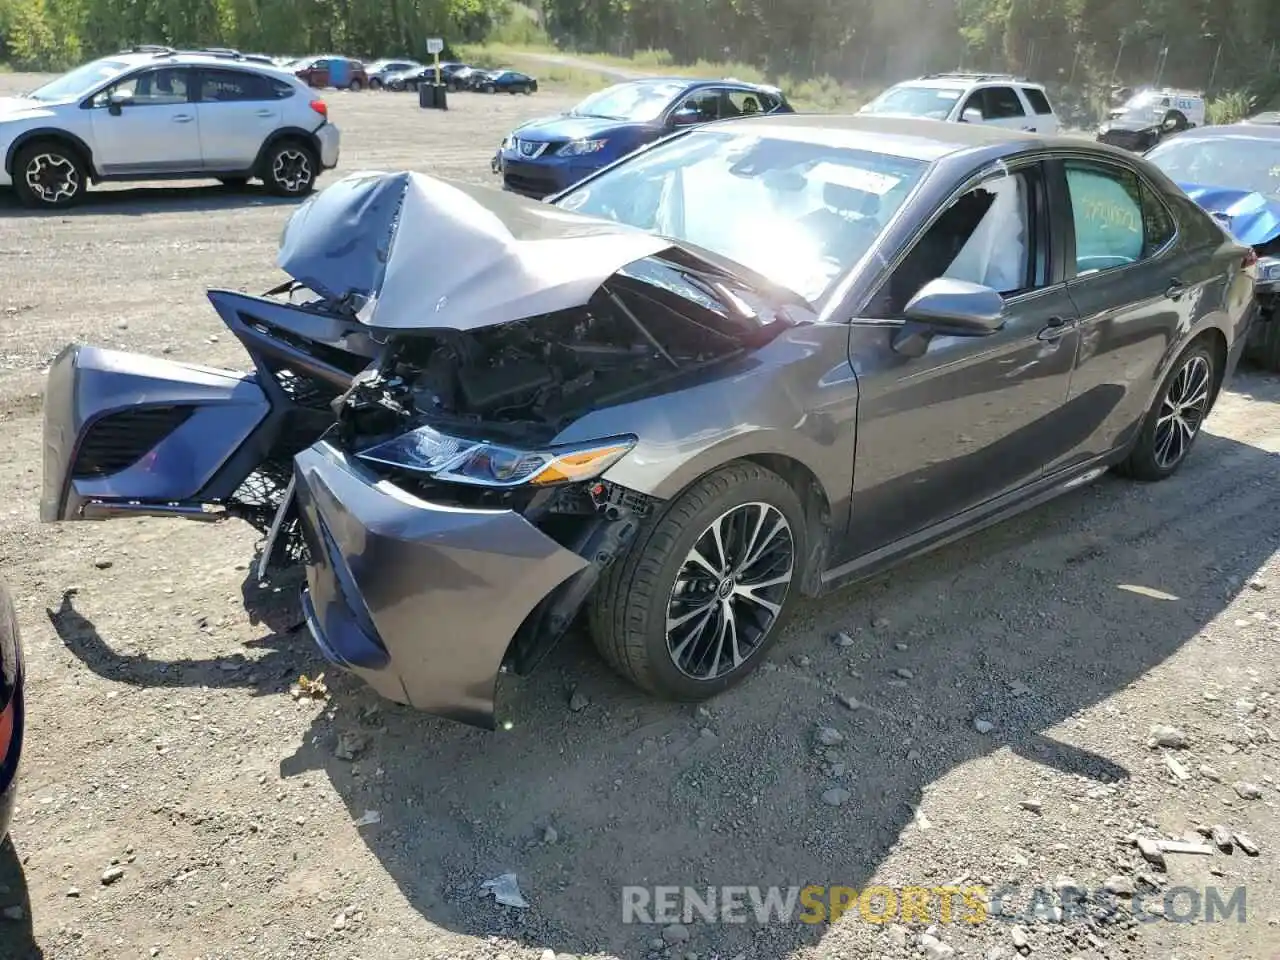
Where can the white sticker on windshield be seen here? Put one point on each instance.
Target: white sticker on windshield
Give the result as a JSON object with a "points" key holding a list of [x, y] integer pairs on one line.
{"points": [[868, 181]]}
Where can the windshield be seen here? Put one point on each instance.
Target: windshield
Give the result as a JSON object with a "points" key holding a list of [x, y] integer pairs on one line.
{"points": [[79, 81], [933, 103], [799, 213], [636, 102], [1239, 163]]}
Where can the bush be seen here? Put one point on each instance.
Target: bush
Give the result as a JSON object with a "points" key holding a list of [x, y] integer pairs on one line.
{"points": [[1229, 108]]}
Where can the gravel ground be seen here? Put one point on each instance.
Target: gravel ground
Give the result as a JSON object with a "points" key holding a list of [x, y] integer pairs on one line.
{"points": [[989, 707]]}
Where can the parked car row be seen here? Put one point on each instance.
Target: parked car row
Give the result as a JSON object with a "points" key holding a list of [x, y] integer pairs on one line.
{"points": [[461, 76]]}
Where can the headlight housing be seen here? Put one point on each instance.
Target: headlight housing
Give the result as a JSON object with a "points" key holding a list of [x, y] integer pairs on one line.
{"points": [[578, 148], [1268, 273], [427, 451]]}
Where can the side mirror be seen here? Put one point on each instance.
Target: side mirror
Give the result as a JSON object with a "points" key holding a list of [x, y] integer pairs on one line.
{"points": [[949, 307], [685, 117], [971, 115], [118, 100]]}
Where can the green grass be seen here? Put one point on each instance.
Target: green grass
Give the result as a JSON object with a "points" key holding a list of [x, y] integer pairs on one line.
{"points": [[816, 95]]}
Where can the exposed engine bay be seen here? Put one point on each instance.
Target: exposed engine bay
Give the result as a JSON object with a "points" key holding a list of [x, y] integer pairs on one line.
{"points": [[528, 379]]}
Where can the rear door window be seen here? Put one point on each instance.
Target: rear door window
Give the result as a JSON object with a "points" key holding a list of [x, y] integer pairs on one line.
{"points": [[745, 103], [222, 86], [1106, 208], [1001, 103]]}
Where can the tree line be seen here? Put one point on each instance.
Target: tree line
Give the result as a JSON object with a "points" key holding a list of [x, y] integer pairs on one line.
{"points": [[1216, 45]]}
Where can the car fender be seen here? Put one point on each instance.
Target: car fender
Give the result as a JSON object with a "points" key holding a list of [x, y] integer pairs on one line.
{"points": [[291, 132], [48, 133], [769, 410]]}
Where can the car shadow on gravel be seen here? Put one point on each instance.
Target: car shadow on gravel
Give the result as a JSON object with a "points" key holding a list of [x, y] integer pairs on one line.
{"points": [[590, 786], [144, 201], [17, 941]]}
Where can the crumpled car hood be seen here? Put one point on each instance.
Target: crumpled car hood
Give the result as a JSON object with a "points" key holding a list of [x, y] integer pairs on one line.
{"points": [[1250, 217], [412, 252]]}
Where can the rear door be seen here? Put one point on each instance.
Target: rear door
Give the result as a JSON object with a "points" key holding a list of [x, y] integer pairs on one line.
{"points": [[1043, 119], [1135, 286], [156, 132], [238, 110]]}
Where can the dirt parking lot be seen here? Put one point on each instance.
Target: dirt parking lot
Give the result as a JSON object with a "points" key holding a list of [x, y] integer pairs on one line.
{"points": [[991, 712]]}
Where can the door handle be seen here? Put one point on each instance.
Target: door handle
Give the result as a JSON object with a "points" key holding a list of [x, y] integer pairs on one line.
{"points": [[266, 113], [1056, 327], [1028, 129], [1176, 289], [183, 118]]}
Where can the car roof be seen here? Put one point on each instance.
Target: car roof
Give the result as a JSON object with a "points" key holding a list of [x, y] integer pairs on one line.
{"points": [[962, 80], [132, 60], [1232, 131], [913, 139], [694, 83]]}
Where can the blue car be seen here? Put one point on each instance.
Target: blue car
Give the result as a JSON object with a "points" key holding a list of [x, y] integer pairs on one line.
{"points": [[549, 155], [1233, 172]]}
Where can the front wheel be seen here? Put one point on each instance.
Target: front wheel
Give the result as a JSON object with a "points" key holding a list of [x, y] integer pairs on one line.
{"points": [[48, 174], [1174, 420], [355, 86], [375, 83], [700, 595], [490, 88], [291, 169]]}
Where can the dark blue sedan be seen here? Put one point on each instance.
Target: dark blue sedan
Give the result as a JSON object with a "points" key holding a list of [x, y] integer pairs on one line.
{"points": [[1233, 172], [10, 708], [546, 156]]}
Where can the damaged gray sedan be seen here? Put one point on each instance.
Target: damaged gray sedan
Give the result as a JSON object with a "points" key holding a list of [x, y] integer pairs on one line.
{"points": [[753, 361]]}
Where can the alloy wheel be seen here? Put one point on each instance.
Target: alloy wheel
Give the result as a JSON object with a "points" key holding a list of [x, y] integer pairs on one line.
{"points": [[292, 170], [729, 591], [52, 177], [1182, 411]]}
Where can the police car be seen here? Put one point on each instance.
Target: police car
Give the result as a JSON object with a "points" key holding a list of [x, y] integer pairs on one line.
{"points": [[1141, 121]]}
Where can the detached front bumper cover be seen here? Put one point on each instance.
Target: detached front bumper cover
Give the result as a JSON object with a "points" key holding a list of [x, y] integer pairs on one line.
{"points": [[418, 599]]}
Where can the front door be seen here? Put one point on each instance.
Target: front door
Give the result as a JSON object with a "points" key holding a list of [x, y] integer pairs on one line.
{"points": [[157, 131], [973, 417], [237, 111]]}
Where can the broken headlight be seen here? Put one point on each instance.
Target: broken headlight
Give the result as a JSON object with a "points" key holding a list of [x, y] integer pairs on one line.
{"points": [[427, 451], [1268, 274]]}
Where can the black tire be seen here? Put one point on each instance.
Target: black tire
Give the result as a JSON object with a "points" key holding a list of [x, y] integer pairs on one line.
{"points": [[1175, 121], [490, 88], [1263, 345], [1158, 454], [375, 83], [355, 86], [290, 168], [234, 183], [630, 606], [49, 175]]}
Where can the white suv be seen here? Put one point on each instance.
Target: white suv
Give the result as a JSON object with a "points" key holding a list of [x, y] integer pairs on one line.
{"points": [[991, 98], [156, 113]]}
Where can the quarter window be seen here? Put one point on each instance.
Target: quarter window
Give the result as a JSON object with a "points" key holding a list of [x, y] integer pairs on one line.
{"points": [[1118, 220], [1039, 102], [1157, 222]]}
